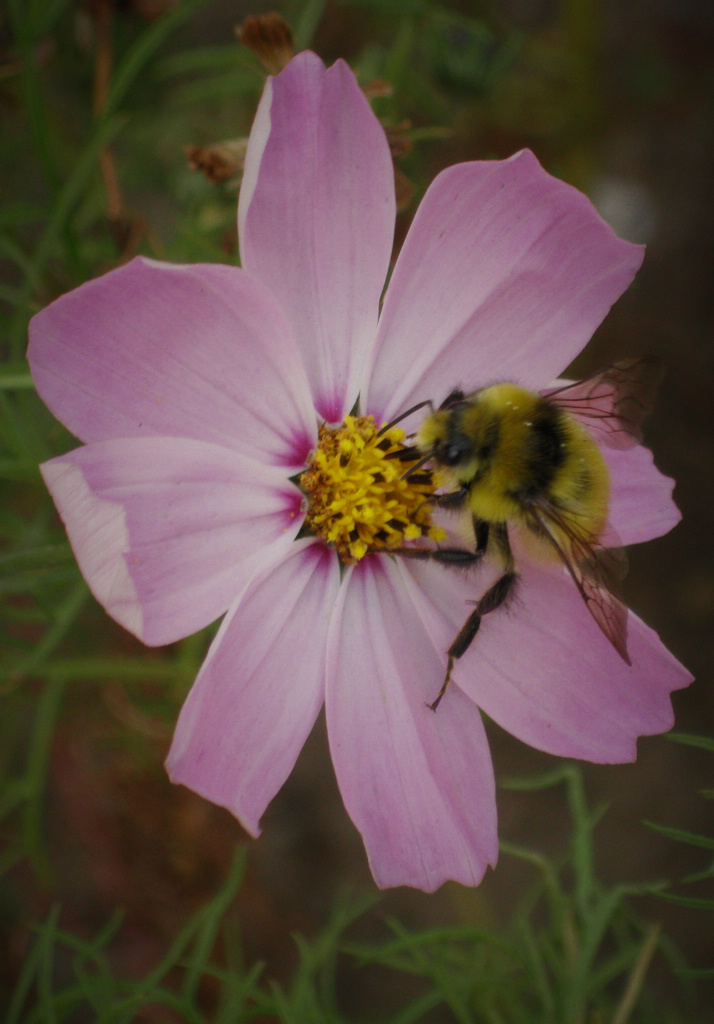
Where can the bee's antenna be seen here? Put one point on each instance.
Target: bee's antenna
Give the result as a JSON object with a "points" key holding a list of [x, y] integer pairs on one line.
{"points": [[403, 416]]}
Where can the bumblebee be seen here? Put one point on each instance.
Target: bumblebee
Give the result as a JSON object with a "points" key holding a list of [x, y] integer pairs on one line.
{"points": [[517, 458]]}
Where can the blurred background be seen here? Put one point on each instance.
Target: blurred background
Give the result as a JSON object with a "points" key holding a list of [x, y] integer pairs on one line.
{"points": [[121, 897]]}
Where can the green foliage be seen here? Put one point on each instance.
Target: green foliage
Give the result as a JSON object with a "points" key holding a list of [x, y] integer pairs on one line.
{"points": [[695, 881], [573, 952], [111, 1000]]}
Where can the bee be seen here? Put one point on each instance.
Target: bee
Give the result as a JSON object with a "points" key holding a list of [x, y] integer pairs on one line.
{"points": [[518, 458]]}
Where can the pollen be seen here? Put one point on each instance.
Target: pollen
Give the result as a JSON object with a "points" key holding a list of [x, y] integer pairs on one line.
{"points": [[359, 496]]}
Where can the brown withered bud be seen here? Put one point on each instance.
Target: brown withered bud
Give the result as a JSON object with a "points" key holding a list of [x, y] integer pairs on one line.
{"points": [[219, 161], [377, 88], [399, 145], [404, 189], [270, 38], [399, 142]]}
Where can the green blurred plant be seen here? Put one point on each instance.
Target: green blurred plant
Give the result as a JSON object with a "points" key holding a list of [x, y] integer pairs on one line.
{"points": [[695, 881], [574, 952]]}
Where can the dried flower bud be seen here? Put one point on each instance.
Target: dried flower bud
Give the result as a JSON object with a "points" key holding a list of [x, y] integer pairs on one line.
{"points": [[377, 88], [220, 161], [399, 142], [404, 189], [270, 38]]}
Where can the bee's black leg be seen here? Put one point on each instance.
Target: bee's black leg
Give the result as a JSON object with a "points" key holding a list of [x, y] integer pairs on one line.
{"points": [[453, 499], [482, 532], [494, 598], [458, 558]]}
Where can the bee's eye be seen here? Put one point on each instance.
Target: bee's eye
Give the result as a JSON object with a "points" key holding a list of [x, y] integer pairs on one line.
{"points": [[457, 449]]}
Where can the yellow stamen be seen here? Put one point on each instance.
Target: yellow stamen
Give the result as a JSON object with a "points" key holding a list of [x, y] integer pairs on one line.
{"points": [[358, 497]]}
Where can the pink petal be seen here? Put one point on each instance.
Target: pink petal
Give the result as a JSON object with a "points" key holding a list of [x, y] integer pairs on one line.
{"points": [[505, 274], [316, 219], [260, 688], [199, 351], [641, 505], [168, 532], [542, 669], [419, 786]]}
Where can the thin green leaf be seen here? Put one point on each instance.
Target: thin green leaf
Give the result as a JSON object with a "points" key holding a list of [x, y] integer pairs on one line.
{"points": [[680, 836], [688, 740], [695, 902], [210, 925]]}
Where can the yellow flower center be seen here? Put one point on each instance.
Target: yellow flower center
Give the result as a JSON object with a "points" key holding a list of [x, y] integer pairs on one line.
{"points": [[358, 497]]}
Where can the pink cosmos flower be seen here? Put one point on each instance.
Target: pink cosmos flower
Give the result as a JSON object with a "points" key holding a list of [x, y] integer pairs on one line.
{"points": [[198, 392]]}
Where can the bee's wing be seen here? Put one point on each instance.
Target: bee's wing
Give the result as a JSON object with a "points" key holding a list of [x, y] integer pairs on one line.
{"points": [[613, 402], [596, 570]]}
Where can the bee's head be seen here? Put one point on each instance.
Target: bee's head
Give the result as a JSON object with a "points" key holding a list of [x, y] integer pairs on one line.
{"points": [[444, 435]]}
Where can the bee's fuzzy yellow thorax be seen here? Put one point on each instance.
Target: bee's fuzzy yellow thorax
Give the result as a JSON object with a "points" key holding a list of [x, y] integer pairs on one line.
{"points": [[507, 446]]}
